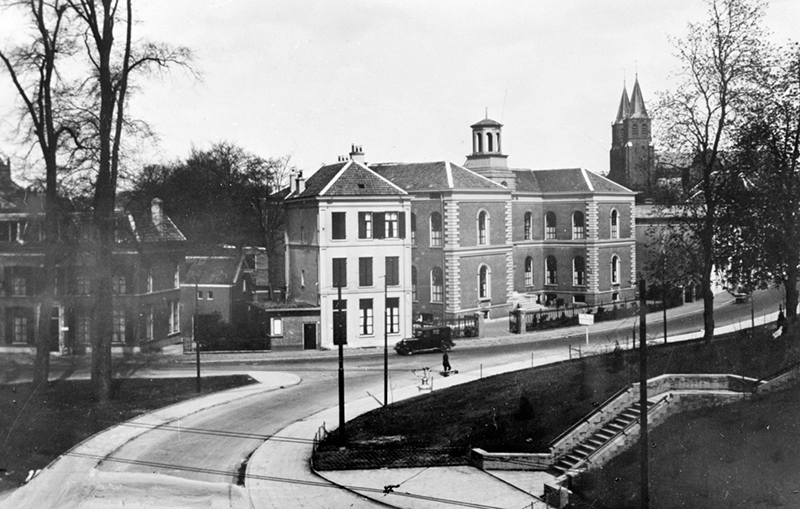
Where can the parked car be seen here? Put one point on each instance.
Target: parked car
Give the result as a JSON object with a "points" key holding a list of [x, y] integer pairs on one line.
{"points": [[426, 339]]}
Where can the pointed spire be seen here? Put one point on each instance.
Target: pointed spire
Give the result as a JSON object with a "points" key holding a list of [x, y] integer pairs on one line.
{"points": [[624, 106], [637, 109]]}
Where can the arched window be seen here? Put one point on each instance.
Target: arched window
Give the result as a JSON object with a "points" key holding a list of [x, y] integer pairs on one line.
{"points": [[483, 282], [635, 129], [489, 142], [615, 270], [614, 224], [644, 129], [578, 226], [413, 228], [479, 138], [414, 295], [483, 227], [529, 271], [528, 232], [550, 225], [437, 289], [551, 271], [498, 142], [436, 229], [578, 271]]}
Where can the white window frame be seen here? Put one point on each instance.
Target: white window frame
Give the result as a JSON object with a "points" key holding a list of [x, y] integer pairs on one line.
{"points": [[613, 222], [276, 326], [578, 232], [576, 280], [483, 229], [174, 317], [366, 319], [484, 282], [616, 267], [550, 232]]}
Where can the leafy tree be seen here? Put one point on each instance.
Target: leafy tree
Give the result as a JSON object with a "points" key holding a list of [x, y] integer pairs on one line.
{"points": [[764, 194], [717, 59], [223, 195]]}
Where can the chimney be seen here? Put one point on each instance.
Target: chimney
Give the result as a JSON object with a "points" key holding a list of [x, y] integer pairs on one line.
{"points": [[356, 154], [291, 182], [5, 169], [157, 211], [300, 182]]}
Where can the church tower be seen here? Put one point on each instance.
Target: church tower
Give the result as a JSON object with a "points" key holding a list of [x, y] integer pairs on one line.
{"points": [[632, 157], [487, 156]]}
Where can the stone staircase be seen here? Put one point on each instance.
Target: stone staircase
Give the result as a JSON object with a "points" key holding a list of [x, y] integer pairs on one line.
{"points": [[582, 451]]}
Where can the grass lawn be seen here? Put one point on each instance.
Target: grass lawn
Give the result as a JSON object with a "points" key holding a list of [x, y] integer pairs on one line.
{"points": [[740, 455], [525, 410], [36, 426]]}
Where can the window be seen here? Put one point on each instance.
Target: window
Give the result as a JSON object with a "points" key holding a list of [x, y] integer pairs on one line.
{"points": [[436, 284], [150, 281], [578, 226], [527, 233], [365, 272], [174, 317], [392, 270], [550, 226], [413, 228], [200, 295], [489, 142], [414, 283], [21, 329], [391, 222], [529, 271], [19, 285], [119, 326], [120, 285], [365, 317], [483, 282], [276, 326], [392, 315], [149, 323], [83, 326], [8, 231], [614, 224], [551, 271], [338, 228], [635, 129], [615, 270], [339, 272], [644, 129], [177, 280], [210, 295], [365, 225], [483, 227], [578, 271], [83, 285], [436, 229], [302, 279]]}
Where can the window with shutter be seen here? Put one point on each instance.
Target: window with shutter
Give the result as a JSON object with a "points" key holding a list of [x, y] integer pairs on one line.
{"points": [[365, 272], [338, 229], [339, 272], [378, 223]]}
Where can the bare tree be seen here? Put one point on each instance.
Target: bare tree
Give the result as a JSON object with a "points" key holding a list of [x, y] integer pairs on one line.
{"points": [[33, 68], [114, 61], [718, 59]]}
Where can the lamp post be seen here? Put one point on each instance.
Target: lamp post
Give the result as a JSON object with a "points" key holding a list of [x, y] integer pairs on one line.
{"points": [[645, 489], [340, 339], [385, 342], [194, 335]]}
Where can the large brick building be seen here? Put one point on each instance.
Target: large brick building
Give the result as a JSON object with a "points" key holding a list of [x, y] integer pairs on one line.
{"points": [[147, 255]]}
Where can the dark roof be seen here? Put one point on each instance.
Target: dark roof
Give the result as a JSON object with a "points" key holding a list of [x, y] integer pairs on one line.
{"points": [[348, 178], [567, 180], [487, 122], [210, 270], [289, 305], [434, 175], [140, 225], [624, 106], [637, 109]]}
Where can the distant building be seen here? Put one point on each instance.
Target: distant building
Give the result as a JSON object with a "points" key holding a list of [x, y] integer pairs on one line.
{"points": [[147, 257], [632, 155], [215, 285]]}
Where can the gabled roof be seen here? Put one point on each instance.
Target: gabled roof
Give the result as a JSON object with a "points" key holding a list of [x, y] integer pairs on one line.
{"points": [[210, 270], [141, 227], [566, 180], [434, 175], [348, 178]]}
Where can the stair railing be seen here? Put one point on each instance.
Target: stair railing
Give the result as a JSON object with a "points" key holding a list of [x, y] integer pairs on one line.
{"points": [[587, 418]]}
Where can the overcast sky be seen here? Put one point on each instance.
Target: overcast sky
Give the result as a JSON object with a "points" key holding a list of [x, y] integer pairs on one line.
{"points": [[406, 78]]}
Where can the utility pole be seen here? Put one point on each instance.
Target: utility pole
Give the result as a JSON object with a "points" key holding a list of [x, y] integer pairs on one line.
{"points": [[340, 338], [664, 298], [194, 336], [385, 341], [645, 489]]}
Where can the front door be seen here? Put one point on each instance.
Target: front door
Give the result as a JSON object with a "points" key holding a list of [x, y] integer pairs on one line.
{"points": [[309, 336]]}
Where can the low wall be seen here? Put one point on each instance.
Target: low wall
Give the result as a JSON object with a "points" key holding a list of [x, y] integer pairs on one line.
{"points": [[510, 460]]}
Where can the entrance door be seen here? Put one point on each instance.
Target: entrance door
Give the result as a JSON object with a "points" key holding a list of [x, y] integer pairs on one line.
{"points": [[309, 336]]}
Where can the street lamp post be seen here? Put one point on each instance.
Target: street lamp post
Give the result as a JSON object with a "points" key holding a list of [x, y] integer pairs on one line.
{"points": [[385, 342], [194, 336]]}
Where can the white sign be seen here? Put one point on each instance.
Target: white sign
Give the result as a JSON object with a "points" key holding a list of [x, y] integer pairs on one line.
{"points": [[585, 319]]}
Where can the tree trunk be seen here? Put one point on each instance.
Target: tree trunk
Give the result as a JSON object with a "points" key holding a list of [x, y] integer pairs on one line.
{"points": [[791, 293], [41, 365], [708, 267]]}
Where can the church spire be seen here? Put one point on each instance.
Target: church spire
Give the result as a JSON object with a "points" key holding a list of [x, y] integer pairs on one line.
{"points": [[624, 106], [637, 109]]}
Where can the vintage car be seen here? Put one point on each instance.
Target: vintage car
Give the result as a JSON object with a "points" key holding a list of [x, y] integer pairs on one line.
{"points": [[428, 338]]}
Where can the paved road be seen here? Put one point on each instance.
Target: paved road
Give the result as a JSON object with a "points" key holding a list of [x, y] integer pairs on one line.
{"points": [[187, 452]]}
